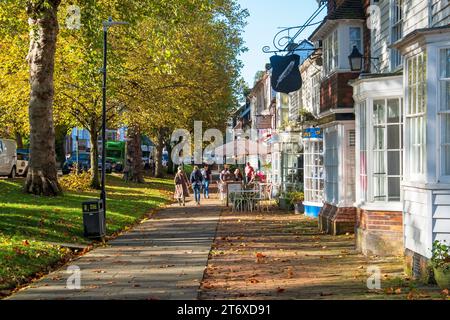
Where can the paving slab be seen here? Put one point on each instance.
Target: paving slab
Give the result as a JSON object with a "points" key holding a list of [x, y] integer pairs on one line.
{"points": [[162, 258]]}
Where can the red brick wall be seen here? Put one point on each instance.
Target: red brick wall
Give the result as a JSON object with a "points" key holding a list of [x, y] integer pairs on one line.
{"points": [[367, 40], [380, 221], [336, 92]]}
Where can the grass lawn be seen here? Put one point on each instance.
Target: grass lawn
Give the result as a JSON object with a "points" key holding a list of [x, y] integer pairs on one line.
{"points": [[29, 225]]}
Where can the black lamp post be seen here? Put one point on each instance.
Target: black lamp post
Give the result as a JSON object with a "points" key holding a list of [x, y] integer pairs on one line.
{"points": [[106, 26], [356, 60]]}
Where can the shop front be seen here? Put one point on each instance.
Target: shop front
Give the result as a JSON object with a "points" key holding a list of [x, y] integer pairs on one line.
{"points": [[313, 171]]}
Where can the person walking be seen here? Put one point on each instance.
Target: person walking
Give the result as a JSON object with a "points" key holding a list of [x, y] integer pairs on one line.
{"points": [[224, 176], [181, 187], [196, 181], [206, 173], [127, 171]]}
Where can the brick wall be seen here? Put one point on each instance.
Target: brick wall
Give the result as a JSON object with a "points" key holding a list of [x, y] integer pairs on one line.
{"points": [[335, 92], [367, 38], [380, 221], [379, 232]]}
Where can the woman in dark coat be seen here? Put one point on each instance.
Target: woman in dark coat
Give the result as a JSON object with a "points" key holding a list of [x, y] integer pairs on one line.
{"points": [[181, 187]]}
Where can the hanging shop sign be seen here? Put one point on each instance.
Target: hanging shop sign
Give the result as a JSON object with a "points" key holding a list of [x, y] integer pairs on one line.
{"points": [[263, 122], [286, 77], [313, 133]]}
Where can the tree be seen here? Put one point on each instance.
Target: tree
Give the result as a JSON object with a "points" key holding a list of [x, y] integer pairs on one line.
{"points": [[184, 69], [79, 58], [14, 74], [42, 176]]}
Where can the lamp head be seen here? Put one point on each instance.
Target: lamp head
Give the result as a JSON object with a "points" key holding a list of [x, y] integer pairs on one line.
{"points": [[356, 60]]}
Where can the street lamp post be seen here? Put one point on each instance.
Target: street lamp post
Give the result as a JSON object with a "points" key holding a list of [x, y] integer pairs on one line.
{"points": [[106, 26]]}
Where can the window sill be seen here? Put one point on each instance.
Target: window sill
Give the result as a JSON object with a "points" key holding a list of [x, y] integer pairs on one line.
{"points": [[381, 206], [426, 186]]}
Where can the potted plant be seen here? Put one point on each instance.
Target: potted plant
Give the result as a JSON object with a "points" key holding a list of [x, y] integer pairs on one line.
{"points": [[284, 201], [297, 199], [440, 261]]}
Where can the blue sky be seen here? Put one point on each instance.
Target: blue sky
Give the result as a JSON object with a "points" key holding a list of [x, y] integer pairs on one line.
{"points": [[265, 18]]}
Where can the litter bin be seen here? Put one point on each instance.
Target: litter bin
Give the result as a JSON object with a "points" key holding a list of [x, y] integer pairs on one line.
{"points": [[94, 219]]}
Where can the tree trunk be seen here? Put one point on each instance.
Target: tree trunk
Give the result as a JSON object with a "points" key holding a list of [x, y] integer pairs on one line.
{"points": [[95, 179], [19, 140], [159, 146], [134, 152], [170, 166], [42, 178]]}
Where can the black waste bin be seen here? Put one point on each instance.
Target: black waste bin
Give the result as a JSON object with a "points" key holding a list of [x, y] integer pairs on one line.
{"points": [[94, 219]]}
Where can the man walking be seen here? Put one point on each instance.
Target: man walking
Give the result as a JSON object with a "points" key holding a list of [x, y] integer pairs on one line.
{"points": [[206, 173], [196, 181]]}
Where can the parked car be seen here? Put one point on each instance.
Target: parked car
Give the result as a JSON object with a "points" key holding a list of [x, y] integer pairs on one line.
{"points": [[84, 161], [108, 165], [8, 158], [23, 158]]}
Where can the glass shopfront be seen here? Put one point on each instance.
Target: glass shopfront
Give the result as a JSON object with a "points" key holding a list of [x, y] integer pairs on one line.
{"points": [[291, 163], [313, 171]]}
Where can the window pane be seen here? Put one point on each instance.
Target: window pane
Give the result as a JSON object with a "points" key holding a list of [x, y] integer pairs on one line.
{"points": [[393, 134], [379, 189], [379, 138], [446, 125], [446, 151], [394, 189], [394, 163], [379, 163], [378, 112], [445, 95], [445, 63], [393, 115]]}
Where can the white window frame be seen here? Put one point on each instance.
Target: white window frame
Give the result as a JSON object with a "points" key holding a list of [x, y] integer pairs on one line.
{"points": [[363, 177], [314, 170], [315, 94], [396, 31], [331, 166], [331, 52], [443, 113], [415, 117], [371, 148]]}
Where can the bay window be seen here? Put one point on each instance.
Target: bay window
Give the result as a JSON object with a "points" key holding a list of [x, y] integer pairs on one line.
{"points": [[444, 111], [380, 129], [416, 114]]}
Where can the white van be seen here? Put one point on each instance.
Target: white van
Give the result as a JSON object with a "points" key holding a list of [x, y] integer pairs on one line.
{"points": [[8, 158]]}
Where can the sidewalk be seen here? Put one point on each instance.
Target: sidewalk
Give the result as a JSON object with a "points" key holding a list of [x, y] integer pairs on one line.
{"points": [[283, 256], [163, 258]]}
